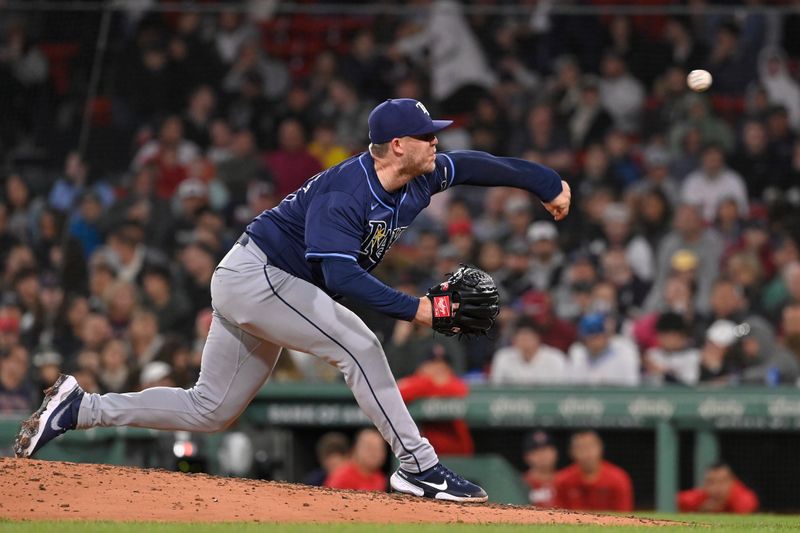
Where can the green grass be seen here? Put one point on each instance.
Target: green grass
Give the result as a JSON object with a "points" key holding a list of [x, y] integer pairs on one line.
{"points": [[690, 523]]}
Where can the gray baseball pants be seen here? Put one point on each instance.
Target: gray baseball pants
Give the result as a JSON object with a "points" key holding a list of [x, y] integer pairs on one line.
{"points": [[258, 309]]}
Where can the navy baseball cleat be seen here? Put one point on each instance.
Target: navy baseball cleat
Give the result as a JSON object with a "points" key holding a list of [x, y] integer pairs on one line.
{"points": [[439, 483], [57, 414]]}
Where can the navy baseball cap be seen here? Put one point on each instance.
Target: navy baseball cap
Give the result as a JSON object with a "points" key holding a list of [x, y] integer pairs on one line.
{"points": [[400, 117], [537, 439]]}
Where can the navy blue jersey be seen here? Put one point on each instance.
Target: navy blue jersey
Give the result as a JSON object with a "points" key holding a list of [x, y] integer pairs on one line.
{"points": [[343, 214]]}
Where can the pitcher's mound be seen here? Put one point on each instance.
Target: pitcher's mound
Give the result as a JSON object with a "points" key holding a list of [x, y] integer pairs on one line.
{"points": [[48, 490]]}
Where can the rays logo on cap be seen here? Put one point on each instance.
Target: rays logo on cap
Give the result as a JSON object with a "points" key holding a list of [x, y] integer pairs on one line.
{"points": [[422, 107]]}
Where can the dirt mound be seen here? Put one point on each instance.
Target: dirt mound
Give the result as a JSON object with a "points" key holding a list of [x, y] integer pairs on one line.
{"points": [[39, 490]]}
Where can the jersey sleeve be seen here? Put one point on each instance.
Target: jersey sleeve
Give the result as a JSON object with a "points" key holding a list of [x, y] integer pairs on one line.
{"points": [[471, 167], [333, 227]]}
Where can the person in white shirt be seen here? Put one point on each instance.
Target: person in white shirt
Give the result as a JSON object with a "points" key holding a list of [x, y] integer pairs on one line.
{"points": [[675, 359], [621, 94], [527, 361], [601, 358], [714, 182]]}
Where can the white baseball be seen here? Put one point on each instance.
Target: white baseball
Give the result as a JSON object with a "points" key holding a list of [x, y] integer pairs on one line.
{"points": [[699, 80]]}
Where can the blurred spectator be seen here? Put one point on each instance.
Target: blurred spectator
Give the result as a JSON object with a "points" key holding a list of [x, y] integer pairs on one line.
{"points": [[589, 121], [198, 116], [515, 277], [574, 294], [745, 353], [86, 224], [242, 168], [348, 113], [434, 378], [366, 69], [114, 370], [657, 175], [66, 190], [491, 225], [23, 207], [518, 212], [332, 451], [620, 93], [9, 327], [126, 253], [254, 65], [675, 359], [16, 392], [363, 470], [553, 331], [721, 492], [630, 289], [730, 61], [756, 161], [220, 136], [198, 264], [233, 30], [143, 337], [543, 140], [459, 70], [325, 146], [653, 215], [528, 361], [547, 261], [143, 207], [291, 163], [621, 159], [566, 87], [248, 109], [729, 222], [618, 234], [601, 358], [591, 483], [171, 154], [690, 235], [781, 137], [781, 88], [685, 49], [728, 302], [699, 127], [95, 332], [712, 183], [541, 457]]}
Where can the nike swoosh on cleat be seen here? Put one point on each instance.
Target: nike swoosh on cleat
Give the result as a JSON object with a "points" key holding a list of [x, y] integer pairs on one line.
{"points": [[57, 415], [439, 486]]}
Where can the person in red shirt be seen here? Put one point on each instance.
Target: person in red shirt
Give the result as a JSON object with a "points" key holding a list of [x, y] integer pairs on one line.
{"points": [[721, 493], [541, 456], [291, 163], [538, 305], [363, 470], [434, 378], [591, 483]]}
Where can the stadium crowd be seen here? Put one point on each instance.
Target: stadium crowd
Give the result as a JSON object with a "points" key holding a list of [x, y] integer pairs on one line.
{"points": [[679, 262]]}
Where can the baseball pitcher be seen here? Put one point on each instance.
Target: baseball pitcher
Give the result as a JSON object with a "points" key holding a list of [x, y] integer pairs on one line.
{"points": [[279, 284]]}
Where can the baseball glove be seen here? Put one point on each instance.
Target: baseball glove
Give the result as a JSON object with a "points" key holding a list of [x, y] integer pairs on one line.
{"points": [[467, 303]]}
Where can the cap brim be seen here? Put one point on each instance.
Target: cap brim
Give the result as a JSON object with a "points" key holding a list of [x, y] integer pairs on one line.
{"points": [[436, 125]]}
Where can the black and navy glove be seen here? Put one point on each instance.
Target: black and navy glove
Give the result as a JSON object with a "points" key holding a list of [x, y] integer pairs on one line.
{"points": [[467, 303]]}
